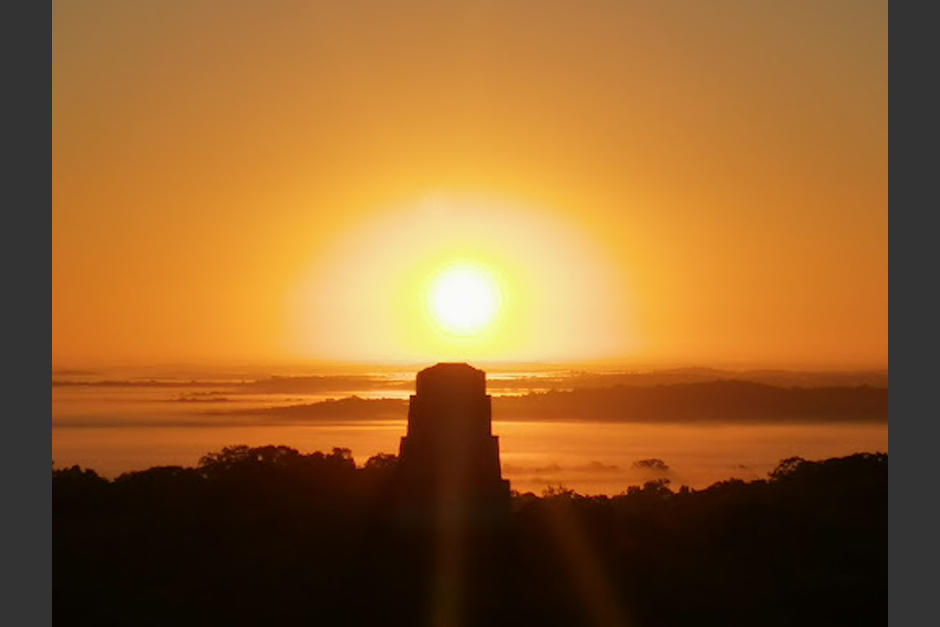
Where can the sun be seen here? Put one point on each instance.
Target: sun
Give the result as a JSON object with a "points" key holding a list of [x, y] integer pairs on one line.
{"points": [[464, 299]]}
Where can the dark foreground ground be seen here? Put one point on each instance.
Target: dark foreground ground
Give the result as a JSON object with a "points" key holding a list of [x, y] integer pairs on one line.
{"points": [[271, 537]]}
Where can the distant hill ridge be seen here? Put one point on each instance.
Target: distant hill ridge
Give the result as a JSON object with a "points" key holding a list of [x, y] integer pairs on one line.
{"points": [[497, 380], [719, 401], [714, 401]]}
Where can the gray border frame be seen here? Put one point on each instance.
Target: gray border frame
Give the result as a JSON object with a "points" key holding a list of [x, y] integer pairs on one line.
{"points": [[912, 515], [26, 585]]}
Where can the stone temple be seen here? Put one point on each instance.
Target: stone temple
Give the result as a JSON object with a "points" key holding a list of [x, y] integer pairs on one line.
{"points": [[449, 450]]}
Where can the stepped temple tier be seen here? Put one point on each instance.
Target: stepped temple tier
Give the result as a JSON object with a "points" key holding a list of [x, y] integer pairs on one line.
{"points": [[450, 451]]}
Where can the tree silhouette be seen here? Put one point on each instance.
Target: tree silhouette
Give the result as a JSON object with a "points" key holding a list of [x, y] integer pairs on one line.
{"points": [[268, 535]]}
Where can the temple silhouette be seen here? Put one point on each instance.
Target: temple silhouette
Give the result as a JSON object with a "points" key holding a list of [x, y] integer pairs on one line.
{"points": [[449, 451]]}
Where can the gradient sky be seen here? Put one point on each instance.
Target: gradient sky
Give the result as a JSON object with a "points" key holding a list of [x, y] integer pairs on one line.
{"points": [[652, 182]]}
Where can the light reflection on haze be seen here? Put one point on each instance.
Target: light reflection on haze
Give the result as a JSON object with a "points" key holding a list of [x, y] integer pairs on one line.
{"points": [[118, 428]]}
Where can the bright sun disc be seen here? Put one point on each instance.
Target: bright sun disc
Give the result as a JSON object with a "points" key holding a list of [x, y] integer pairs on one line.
{"points": [[464, 299]]}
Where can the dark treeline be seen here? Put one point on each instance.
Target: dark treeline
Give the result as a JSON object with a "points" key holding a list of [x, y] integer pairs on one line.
{"points": [[268, 536]]}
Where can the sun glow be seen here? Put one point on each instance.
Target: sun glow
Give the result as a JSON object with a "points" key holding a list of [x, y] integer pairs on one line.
{"points": [[464, 299], [458, 277]]}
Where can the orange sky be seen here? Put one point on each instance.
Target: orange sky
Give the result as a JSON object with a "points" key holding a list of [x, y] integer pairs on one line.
{"points": [[654, 183]]}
